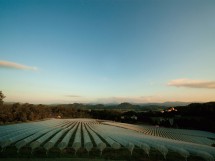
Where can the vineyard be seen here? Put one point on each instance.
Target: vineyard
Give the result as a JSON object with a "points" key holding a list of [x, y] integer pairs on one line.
{"points": [[98, 138]]}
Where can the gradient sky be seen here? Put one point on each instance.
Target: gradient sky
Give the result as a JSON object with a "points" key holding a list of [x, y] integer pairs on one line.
{"points": [[103, 51]]}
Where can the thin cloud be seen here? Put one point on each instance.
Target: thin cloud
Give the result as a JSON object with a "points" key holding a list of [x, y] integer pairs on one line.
{"points": [[189, 83], [13, 65], [140, 99], [72, 96]]}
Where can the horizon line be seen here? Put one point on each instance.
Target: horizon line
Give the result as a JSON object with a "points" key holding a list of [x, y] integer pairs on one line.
{"points": [[94, 103]]}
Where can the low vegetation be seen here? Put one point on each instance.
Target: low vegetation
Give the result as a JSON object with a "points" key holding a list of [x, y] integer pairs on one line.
{"points": [[194, 116]]}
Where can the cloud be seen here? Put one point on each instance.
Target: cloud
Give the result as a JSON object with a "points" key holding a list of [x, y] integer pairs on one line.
{"points": [[13, 65], [138, 99], [189, 83], [72, 96]]}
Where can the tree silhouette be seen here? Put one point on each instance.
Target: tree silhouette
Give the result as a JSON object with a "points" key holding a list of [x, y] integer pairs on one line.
{"points": [[2, 96]]}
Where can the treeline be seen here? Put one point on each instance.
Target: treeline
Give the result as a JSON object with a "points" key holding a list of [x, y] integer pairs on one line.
{"points": [[13, 113], [194, 116], [29, 112], [17, 112], [198, 116], [198, 109], [122, 106]]}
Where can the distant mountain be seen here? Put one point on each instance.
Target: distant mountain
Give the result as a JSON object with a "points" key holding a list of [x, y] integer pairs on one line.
{"points": [[164, 104], [167, 104], [122, 106]]}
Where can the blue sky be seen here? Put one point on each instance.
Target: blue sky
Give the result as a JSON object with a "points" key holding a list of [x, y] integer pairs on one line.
{"points": [[61, 51]]}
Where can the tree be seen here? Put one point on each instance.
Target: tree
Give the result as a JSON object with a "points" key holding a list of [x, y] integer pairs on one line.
{"points": [[2, 96]]}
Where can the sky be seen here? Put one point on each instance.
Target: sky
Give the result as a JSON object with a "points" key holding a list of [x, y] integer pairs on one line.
{"points": [[107, 51]]}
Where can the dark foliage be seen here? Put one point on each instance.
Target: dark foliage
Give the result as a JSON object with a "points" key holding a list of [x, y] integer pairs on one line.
{"points": [[2, 96], [28, 112], [193, 116]]}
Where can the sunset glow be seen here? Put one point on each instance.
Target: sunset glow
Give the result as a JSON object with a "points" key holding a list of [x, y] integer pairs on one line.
{"points": [[107, 51]]}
